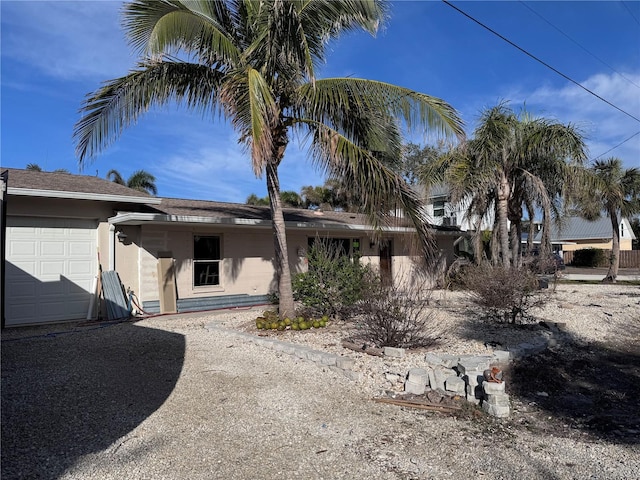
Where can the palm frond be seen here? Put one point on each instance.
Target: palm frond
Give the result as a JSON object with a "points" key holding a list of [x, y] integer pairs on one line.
{"points": [[333, 100], [168, 27], [120, 102], [381, 191]]}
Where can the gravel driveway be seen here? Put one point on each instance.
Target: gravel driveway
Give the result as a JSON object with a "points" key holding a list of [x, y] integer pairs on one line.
{"points": [[165, 398]]}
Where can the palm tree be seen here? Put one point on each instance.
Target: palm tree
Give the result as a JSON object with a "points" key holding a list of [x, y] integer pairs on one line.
{"points": [[140, 180], [253, 199], [512, 163], [34, 167], [254, 62], [614, 191], [290, 198]]}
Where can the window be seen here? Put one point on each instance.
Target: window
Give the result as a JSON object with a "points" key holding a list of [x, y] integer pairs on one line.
{"points": [[206, 261], [438, 208], [345, 246]]}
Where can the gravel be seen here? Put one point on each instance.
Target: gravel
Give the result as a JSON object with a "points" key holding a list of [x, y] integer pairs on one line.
{"points": [[165, 397]]}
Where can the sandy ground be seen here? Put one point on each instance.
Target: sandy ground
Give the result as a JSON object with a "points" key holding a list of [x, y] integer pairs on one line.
{"points": [[166, 398]]}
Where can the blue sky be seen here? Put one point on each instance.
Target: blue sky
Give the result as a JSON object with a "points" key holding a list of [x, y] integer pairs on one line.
{"points": [[54, 53]]}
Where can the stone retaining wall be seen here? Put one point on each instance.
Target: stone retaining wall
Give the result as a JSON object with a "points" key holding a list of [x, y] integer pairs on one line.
{"points": [[462, 375]]}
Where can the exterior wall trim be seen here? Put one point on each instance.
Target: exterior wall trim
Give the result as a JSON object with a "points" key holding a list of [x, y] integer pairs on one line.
{"points": [[33, 192]]}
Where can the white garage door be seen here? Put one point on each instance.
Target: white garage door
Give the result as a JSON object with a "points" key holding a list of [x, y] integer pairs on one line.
{"points": [[50, 267]]}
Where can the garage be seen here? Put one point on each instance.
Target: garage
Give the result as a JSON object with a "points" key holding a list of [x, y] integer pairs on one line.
{"points": [[51, 264]]}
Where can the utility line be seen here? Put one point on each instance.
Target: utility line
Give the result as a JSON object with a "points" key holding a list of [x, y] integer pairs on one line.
{"points": [[583, 48], [620, 144], [630, 12], [542, 62]]}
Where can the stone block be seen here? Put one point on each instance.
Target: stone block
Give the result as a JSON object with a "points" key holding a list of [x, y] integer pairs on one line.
{"points": [[315, 356], [301, 352], [328, 359], [439, 377], [415, 388], [433, 359], [289, 349], [450, 361], [501, 399], [392, 377], [473, 381], [501, 356], [418, 375], [496, 410], [345, 363], [351, 375], [491, 388], [455, 384], [394, 352]]}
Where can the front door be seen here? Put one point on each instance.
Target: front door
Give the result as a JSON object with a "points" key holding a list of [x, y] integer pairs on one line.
{"points": [[386, 248]]}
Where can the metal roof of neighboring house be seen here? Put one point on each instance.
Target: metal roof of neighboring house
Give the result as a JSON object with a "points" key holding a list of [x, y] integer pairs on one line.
{"points": [[577, 228], [439, 190], [68, 185]]}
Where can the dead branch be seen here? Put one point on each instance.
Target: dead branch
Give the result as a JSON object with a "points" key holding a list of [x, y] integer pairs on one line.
{"points": [[420, 405]]}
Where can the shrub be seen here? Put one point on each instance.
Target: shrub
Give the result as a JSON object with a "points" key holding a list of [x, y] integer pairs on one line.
{"points": [[333, 280], [394, 316], [504, 293], [590, 257]]}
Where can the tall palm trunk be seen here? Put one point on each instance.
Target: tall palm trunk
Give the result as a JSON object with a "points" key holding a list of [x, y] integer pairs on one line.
{"points": [[478, 247], [515, 234], [545, 240], [283, 272], [504, 191], [614, 260]]}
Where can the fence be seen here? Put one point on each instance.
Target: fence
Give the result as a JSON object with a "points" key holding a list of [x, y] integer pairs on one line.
{"points": [[628, 258]]}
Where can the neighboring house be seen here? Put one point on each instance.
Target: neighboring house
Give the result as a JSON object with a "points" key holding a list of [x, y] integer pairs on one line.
{"points": [[576, 233], [442, 212], [62, 228]]}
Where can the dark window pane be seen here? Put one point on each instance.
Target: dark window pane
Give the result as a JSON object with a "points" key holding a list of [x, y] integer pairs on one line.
{"points": [[206, 273], [206, 248]]}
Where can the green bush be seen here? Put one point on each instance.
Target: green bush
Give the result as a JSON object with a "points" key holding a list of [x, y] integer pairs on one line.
{"points": [[333, 280], [591, 257], [504, 293]]}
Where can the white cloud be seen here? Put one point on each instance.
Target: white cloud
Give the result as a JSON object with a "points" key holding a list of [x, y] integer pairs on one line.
{"points": [[604, 126], [67, 40]]}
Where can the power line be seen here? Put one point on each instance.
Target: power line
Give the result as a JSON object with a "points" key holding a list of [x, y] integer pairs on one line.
{"points": [[621, 143], [630, 12], [583, 48], [542, 62]]}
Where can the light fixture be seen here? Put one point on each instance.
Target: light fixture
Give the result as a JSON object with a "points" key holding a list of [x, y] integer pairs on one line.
{"points": [[121, 236]]}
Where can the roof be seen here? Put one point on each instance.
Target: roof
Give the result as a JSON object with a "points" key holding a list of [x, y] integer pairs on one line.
{"points": [[577, 228], [175, 210], [68, 185]]}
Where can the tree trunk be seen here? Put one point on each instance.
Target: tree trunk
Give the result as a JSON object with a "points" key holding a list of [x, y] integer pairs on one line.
{"points": [[478, 247], [502, 212], [614, 260], [532, 228], [545, 239], [283, 273], [515, 234]]}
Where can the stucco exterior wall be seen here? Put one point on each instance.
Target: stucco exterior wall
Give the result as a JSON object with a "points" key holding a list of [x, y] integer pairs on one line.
{"points": [[625, 244]]}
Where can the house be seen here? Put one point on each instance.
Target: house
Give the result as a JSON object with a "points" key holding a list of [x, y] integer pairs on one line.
{"points": [[575, 233], [442, 212], [61, 229]]}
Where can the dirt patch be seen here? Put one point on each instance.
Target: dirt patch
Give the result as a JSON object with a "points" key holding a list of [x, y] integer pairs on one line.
{"points": [[594, 388]]}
